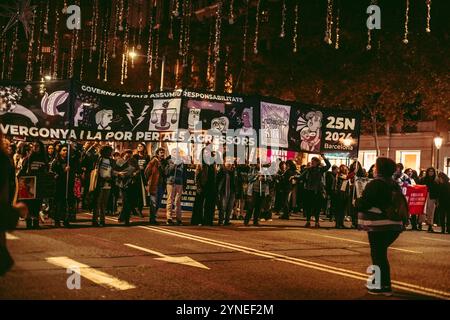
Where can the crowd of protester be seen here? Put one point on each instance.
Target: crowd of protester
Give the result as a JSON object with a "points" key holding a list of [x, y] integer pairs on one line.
{"points": [[93, 177]]}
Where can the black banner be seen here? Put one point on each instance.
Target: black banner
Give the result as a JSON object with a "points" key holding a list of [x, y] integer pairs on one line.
{"points": [[35, 109], [73, 110], [340, 133], [104, 115]]}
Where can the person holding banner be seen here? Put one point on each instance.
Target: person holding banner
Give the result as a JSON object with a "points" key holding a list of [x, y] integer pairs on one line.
{"points": [[382, 212], [312, 177], [430, 180], [226, 188], [444, 202], [34, 165]]}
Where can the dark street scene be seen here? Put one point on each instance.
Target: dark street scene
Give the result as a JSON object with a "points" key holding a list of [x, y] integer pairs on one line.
{"points": [[225, 156]]}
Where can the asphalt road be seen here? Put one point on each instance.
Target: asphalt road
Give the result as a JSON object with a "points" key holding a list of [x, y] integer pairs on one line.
{"points": [[278, 260]]}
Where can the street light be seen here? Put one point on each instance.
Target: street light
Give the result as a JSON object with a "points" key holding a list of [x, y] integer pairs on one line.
{"points": [[438, 144]]}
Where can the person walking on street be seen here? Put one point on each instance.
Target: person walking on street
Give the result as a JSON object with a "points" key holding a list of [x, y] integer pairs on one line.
{"points": [[382, 212]]}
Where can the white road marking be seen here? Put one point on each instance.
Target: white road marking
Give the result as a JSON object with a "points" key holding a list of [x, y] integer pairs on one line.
{"points": [[363, 242], [91, 274], [10, 236], [446, 241], [301, 262], [180, 260]]}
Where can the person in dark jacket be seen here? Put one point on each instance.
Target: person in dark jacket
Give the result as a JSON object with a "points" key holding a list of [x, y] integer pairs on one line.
{"points": [[342, 195], [382, 232], [127, 174], [444, 202], [64, 170], [330, 188], [176, 175], [287, 185], [34, 165], [105, 181], [312, 177], [226, 190], [142, 158], [430, 181], [205, 199], [9, 215]]}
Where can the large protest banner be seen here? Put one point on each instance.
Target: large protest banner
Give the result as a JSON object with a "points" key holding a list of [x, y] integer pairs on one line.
{"points": [[35, 109], [104, 115], [73, 110], [229, 122]]}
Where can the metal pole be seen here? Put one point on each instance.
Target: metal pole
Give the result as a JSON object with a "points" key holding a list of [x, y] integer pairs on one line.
{"points": [[161, 86]]}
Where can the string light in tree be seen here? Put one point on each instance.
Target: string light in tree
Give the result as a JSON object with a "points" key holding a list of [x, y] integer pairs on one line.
{"points": [[47, 11], [150, 49], [329, 23], [124, 69], [12, 52], [93, 46], [244, 46], [73, 47], [294, 40], [369, 32], [232, 17], [157, 49], [283, 20], [428, 28], [139, 45], [55, 49], [82, 60], [228, 85], [121, 14], [29, 70], [172, 13], [187, 35], [116, 27], [405, 37], [255, 43], [336, 44], [106, 52], [209, 69], [3, 45], [217, 39]]}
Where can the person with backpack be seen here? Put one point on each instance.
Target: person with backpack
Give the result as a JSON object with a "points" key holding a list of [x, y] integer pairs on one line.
{"points": [[34, 165], [314, 188], [382, 212]]}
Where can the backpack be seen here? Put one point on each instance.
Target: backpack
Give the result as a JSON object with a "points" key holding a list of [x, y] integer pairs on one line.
{"points": [[398, 208]]}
